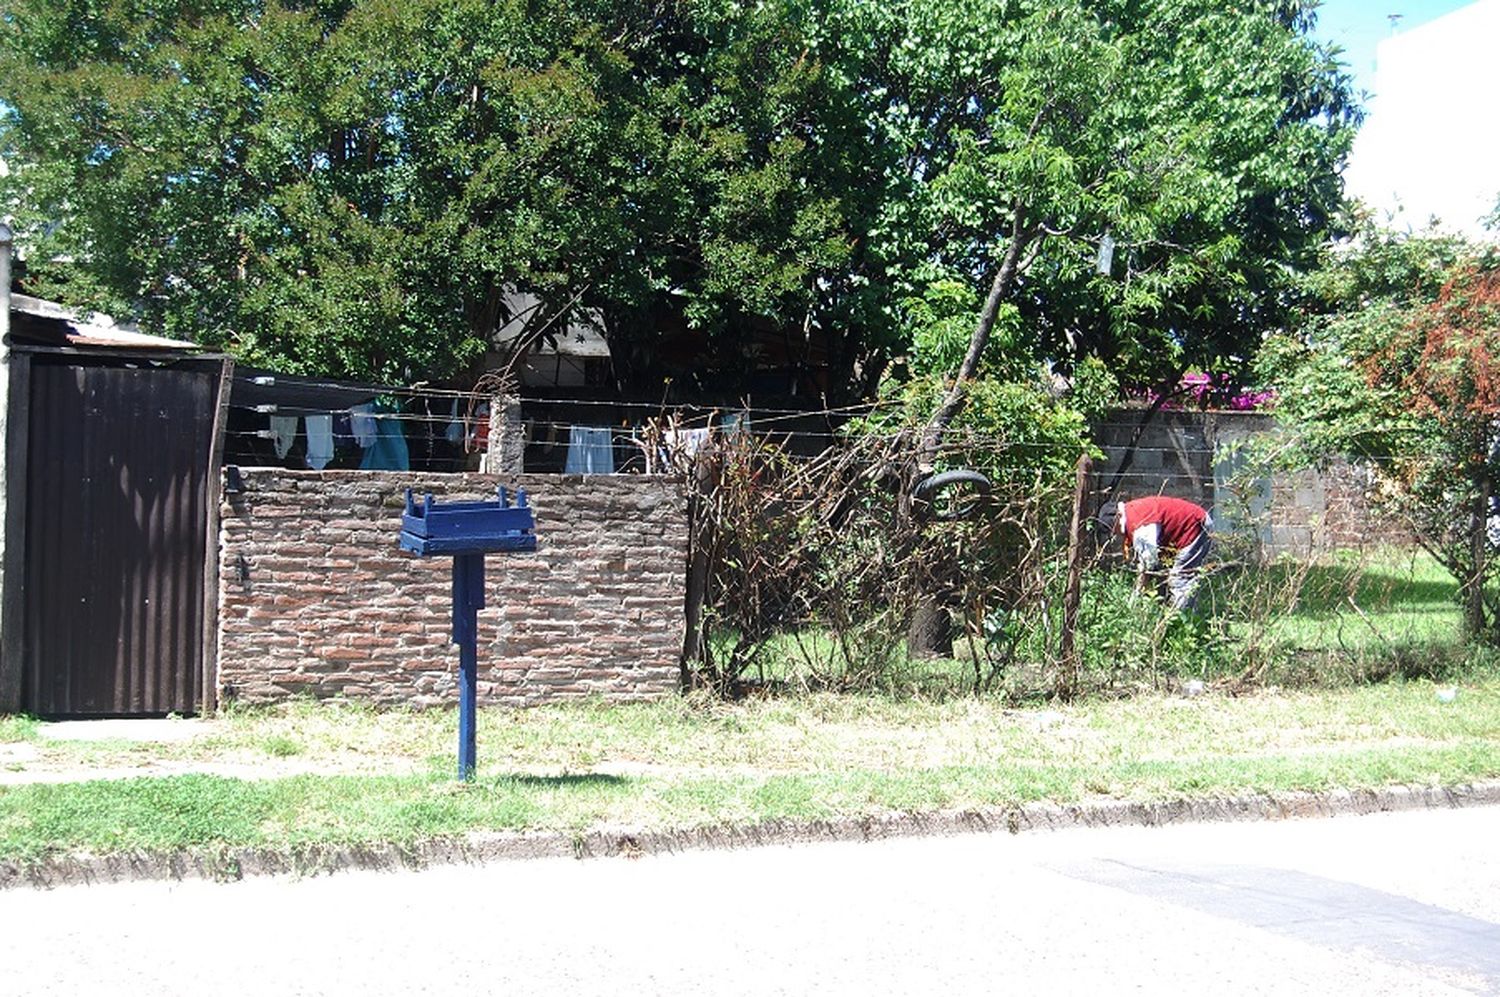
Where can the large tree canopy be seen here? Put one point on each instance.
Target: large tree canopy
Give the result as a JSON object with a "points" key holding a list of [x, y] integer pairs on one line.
{"points": [[1130, 180], [353, 186]]}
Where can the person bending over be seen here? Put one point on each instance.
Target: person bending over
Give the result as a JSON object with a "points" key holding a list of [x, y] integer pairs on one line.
{"points": [[1161, 529]]}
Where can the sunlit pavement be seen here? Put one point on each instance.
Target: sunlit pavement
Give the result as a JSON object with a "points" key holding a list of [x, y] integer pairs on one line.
{"points": [[1388, 904]]}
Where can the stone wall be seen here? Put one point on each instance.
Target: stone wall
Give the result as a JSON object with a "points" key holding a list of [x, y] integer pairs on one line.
{"points": [[1191, 455], [316, 598]]}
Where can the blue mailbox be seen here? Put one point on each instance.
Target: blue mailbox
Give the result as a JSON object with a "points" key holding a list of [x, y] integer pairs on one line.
{"points": [[467, 531]]}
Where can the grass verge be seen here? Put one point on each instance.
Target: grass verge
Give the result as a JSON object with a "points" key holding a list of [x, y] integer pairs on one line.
{"points": [[328, 774]]}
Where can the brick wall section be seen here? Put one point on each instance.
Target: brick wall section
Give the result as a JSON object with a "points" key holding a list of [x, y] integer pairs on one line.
{"points": [[316, 597]]}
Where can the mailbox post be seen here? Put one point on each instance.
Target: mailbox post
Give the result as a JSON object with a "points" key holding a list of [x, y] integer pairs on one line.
{"points": [[467, 531]]}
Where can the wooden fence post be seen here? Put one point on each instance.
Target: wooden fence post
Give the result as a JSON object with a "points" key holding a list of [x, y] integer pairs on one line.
{"points": [[1067, 679]]}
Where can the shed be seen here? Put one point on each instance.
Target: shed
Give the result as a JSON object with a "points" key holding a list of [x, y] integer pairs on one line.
{"points": [[108, 583]]}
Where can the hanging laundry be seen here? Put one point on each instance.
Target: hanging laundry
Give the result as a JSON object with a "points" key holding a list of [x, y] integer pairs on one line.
{"points": [[455, 433], [480, 438], [283, 432], [319, 440], [684, 442], [362, 424], [591, 450], [387, 452]]}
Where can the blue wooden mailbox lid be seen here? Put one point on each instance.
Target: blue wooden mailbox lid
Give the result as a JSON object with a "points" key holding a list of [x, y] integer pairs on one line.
{"points": [[467, 527]]}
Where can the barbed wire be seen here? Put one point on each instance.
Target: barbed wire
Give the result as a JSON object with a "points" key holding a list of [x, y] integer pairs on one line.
{"points": [[957, 441], [455, 394], [549, 430]]}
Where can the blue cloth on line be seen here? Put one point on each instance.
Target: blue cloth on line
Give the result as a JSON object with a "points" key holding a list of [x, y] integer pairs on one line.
{"points": [[319, 441], [591, 450], [387, 452]]}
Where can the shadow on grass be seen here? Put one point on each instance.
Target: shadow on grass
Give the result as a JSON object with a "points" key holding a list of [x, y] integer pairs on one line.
{"points": [[1328, 587], [588, 780]]}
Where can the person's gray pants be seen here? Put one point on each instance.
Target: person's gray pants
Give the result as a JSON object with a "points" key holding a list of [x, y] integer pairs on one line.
{"points": [[1182, 576]]}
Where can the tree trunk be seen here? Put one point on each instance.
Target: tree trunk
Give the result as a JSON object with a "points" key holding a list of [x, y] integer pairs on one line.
{"points": [[953, 400], [931, 632]]}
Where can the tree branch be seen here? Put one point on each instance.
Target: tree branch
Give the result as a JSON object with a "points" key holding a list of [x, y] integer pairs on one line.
{"points": [[1021, 236]]}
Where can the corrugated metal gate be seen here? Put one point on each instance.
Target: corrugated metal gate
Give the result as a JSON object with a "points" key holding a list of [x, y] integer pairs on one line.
{"points": [[117, 516]]}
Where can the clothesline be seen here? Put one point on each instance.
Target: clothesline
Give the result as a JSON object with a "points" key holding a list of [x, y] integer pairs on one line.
{"points": [[726, 415], [381, 438], [424, 391]]}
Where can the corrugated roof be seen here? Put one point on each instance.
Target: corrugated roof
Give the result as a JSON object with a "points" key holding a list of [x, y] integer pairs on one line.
{"points": [[95, 329], [580, 340]]}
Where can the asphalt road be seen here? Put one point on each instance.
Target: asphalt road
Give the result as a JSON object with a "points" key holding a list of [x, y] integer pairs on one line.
{"points": [[1388, 904]]}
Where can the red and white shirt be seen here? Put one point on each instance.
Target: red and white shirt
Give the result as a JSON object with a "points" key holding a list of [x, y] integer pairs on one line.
{"points": [[1160, 523]]}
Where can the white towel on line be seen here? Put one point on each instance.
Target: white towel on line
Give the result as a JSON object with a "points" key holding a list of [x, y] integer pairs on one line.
{"points": [[283, 432]]}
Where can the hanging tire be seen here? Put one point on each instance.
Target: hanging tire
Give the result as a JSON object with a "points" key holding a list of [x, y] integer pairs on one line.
{"points": [[971, 485]]}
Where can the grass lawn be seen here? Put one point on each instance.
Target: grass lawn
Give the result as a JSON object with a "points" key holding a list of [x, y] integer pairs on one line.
{"points": [[340, 773], [1370, 602], [1348, 619], [335, 773]]}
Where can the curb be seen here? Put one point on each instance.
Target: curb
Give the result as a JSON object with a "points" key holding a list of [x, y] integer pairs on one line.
{"points": [[233, 864]]}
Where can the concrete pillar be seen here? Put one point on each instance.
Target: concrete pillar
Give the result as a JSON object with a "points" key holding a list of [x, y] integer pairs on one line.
{"points": [[506, 452]]}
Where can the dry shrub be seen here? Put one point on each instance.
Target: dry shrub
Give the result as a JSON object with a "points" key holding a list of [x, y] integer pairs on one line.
{"points": [[812, 569], [824, 561]]}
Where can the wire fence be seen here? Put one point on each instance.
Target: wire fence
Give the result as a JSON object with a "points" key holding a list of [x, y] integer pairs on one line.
{"points": [[449, 427]]}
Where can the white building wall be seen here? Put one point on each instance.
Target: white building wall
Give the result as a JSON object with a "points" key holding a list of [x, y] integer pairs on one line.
{"points": [[1431, 143]]}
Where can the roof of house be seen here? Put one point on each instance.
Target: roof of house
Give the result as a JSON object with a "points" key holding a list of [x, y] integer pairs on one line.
{"points": [[287, 394], [580, 339], [50, 323]]}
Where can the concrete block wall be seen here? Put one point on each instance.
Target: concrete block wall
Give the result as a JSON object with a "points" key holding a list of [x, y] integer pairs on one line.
{"points": [[1187, 454], [316, 597], [1174, 455]]}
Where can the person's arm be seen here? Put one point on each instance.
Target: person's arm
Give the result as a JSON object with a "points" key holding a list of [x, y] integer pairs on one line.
{"points": [[1140, 547], [1145, 542]]}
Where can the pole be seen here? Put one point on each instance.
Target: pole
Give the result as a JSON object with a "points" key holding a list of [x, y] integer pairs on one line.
{"points": [[468, 599], [1068, 679]]}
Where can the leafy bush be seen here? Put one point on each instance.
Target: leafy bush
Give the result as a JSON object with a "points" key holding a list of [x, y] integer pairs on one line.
{"points": [[1397, 369]]}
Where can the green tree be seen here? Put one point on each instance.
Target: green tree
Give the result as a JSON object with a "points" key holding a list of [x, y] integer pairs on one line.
{"points": [[355, 187], [1397, 365], [1203, 143], [309, 184]]}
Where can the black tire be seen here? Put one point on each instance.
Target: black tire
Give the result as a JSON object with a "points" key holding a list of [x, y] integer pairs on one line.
{"points": [[927, 490], [937, 482]]}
